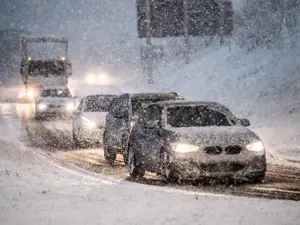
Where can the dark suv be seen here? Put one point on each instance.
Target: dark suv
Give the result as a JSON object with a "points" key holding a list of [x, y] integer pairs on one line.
{"points": [[122, 116]]}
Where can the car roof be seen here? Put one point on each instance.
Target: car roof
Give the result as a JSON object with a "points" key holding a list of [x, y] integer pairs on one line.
{"points": [[99, 96], [153, 94], [54, 87], [210, 104]]}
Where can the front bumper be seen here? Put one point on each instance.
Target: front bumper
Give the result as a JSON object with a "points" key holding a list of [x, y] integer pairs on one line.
{"points": [[193, 166]]}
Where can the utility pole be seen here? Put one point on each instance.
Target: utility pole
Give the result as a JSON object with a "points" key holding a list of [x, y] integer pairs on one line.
{"points": [[186, 32], [149, 48]]}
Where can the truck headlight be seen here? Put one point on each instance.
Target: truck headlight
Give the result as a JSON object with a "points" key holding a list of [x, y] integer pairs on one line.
{"points": [[256, 146], [91, 78], [184, 148], [30, 93], [41, 106]]}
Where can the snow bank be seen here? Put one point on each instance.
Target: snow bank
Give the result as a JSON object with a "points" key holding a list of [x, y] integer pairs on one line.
{"points": [[34, 191]]}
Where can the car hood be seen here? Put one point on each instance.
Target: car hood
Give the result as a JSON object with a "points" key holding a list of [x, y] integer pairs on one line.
{"points": [[213, 135], [96, 117], [55, 101]]}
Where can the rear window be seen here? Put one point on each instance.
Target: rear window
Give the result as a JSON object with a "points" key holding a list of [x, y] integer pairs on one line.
{"points": [[58, 93], [98, 104], [196, 116]]}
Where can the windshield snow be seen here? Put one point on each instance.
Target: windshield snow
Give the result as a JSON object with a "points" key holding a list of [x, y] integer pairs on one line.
{"points": [[196, 116]]}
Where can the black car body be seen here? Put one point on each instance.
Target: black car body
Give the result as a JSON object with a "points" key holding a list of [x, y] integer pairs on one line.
{"points": [[191, 140], [122, 116]]}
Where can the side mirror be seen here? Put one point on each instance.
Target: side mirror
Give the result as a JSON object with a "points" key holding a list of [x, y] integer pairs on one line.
{"points": [[244, 122]]}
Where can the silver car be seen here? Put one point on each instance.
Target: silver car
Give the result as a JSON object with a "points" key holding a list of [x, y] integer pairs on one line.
{"points": [[190, 140], [89, 119], [54, 101]]}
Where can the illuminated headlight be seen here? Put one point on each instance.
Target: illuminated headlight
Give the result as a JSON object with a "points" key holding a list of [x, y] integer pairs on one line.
{"points": [[183, 148], [70, 107], [256, 146], [30, 94], [88, 123], [91, 78], [42, 106]]}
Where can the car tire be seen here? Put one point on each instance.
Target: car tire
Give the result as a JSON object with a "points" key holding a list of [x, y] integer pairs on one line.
{"points": [[166, 171], [109, 157], [256, 178], [125, 157], [135, 171], [76, 142], [37, 116]]}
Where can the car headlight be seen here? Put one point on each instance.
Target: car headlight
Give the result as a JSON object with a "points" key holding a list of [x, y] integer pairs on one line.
{"points": [[88, 123], [70, 107], [91, 78], [30, 94], [183, 148], [41, 106], [256, 146]]}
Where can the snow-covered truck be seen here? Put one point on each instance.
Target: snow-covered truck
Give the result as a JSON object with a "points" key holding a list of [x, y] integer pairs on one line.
{"points": [[39, 68]]}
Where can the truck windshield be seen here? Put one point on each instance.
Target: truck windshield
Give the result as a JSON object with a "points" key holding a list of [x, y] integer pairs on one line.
{"points": [[44, 68]]}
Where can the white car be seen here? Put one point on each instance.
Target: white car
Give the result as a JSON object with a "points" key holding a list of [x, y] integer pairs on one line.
{"points": [[54, 101], [89, 119]]}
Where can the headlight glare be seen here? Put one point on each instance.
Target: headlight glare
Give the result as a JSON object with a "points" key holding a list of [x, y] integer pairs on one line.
{"points": [[256, 146], [70, 107], [41, 106], [184, 148]]}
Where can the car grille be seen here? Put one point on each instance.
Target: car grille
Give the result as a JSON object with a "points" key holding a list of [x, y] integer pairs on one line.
{"points": [[233, 150], [213, 150], [217, 150], [55, 106]]}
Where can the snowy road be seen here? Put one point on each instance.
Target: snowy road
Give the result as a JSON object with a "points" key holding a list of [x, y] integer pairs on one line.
{"points": [[34, 190]]}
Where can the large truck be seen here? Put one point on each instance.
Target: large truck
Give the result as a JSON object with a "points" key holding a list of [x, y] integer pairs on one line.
{"points": [[37, 70]]}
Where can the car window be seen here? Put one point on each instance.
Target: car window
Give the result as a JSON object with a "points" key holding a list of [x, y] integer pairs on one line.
{"points": [[195, 116], [97, 104], [58, 93], [153, 113], [119, 104]]}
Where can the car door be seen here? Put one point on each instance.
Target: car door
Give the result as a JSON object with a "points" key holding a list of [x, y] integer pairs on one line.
{"points": [[149, 138], [116, 122], [77, 116]]}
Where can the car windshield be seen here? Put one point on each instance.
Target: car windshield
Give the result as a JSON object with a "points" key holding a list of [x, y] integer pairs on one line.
{"points": [[58, 93], [139, 102], [101, 104], [196, 116]]}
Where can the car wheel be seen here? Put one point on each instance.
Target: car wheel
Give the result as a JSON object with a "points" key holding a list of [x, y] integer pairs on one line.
{"points": [[109, 157], [125, 157], [76, 142], [256, 178], [37, 116], [165, 170], [135, 171]]}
